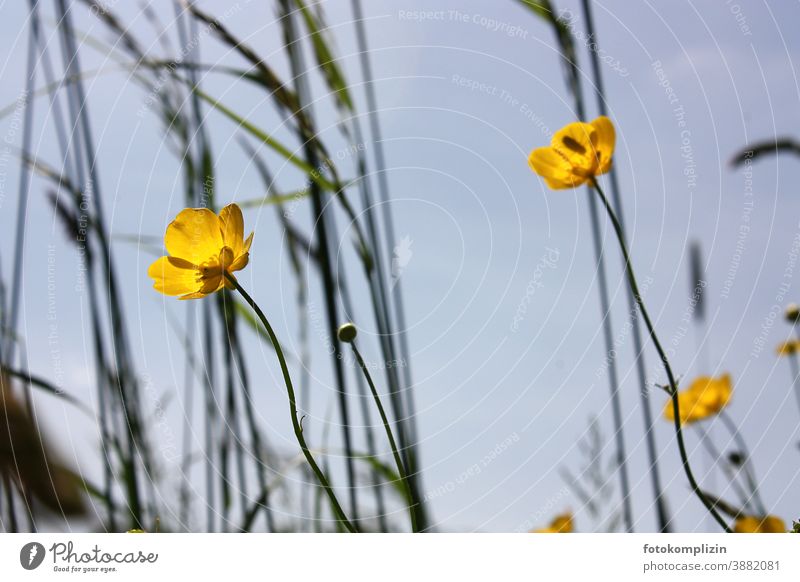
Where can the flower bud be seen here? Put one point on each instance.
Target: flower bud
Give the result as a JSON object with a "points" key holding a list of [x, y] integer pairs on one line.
{"points": [[347, 333]]}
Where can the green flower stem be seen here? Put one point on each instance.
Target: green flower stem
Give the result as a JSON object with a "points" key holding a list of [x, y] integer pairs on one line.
{"points": [[298, 429], [728, 468], [747, 462], [673, 385], [398, 461]]}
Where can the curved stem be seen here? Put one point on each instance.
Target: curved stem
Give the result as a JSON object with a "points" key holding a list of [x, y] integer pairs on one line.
{"points": [[633, 319], [611, 359], [398, 461], [673, 385], [298, 429]]}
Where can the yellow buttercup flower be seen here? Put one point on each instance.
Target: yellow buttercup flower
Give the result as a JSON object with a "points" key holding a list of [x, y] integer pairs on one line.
{"points": [[577, 154], [705, 397], [767, 524], [202, 247], [788, 347], [560, 524]]}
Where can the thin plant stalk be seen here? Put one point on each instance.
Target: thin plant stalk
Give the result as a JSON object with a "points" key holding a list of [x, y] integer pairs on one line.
{"points": [[202, 190], [103, 408], [232, 431], [24, 188], [697, 293], [196, 192], [716, 456], [613, 376], [545, 9], [574, 85], [387, 427], [369, 438], [294, 254], [8, 357], [321, 219], [644, 393], [188, 408], [259, 450], [123, 373], [12, 512], [2, 522], [210, 400], [298, 428], [673, 385], [252, 423], [103, 375], [406, 396], [747, 461]]}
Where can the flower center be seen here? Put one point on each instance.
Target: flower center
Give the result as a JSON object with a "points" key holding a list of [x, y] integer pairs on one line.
{"points": [[215, 267], [573, 145], [582, 165], [209, 270]]}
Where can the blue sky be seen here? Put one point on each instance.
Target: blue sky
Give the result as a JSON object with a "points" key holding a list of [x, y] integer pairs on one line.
{"points": [[466, 89]]}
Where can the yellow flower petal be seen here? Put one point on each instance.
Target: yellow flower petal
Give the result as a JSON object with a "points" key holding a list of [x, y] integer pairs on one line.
{"points": [[172, 276], [576, 142], [767, 524], [716, 393], [788, 348], [554, 168], [194, 235], [203, 248], [705, 397], [198, 295], [240, 262], [561, 524], [232, 226], [554, 184], [605, 142], [209, 285], [578, 153]]}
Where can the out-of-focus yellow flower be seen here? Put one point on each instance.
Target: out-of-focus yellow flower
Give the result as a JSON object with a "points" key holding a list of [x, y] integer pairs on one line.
{"points": [[202, 247], [577, 154], [560, 524], [788, 347], [705, 397], [767, 524]]}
